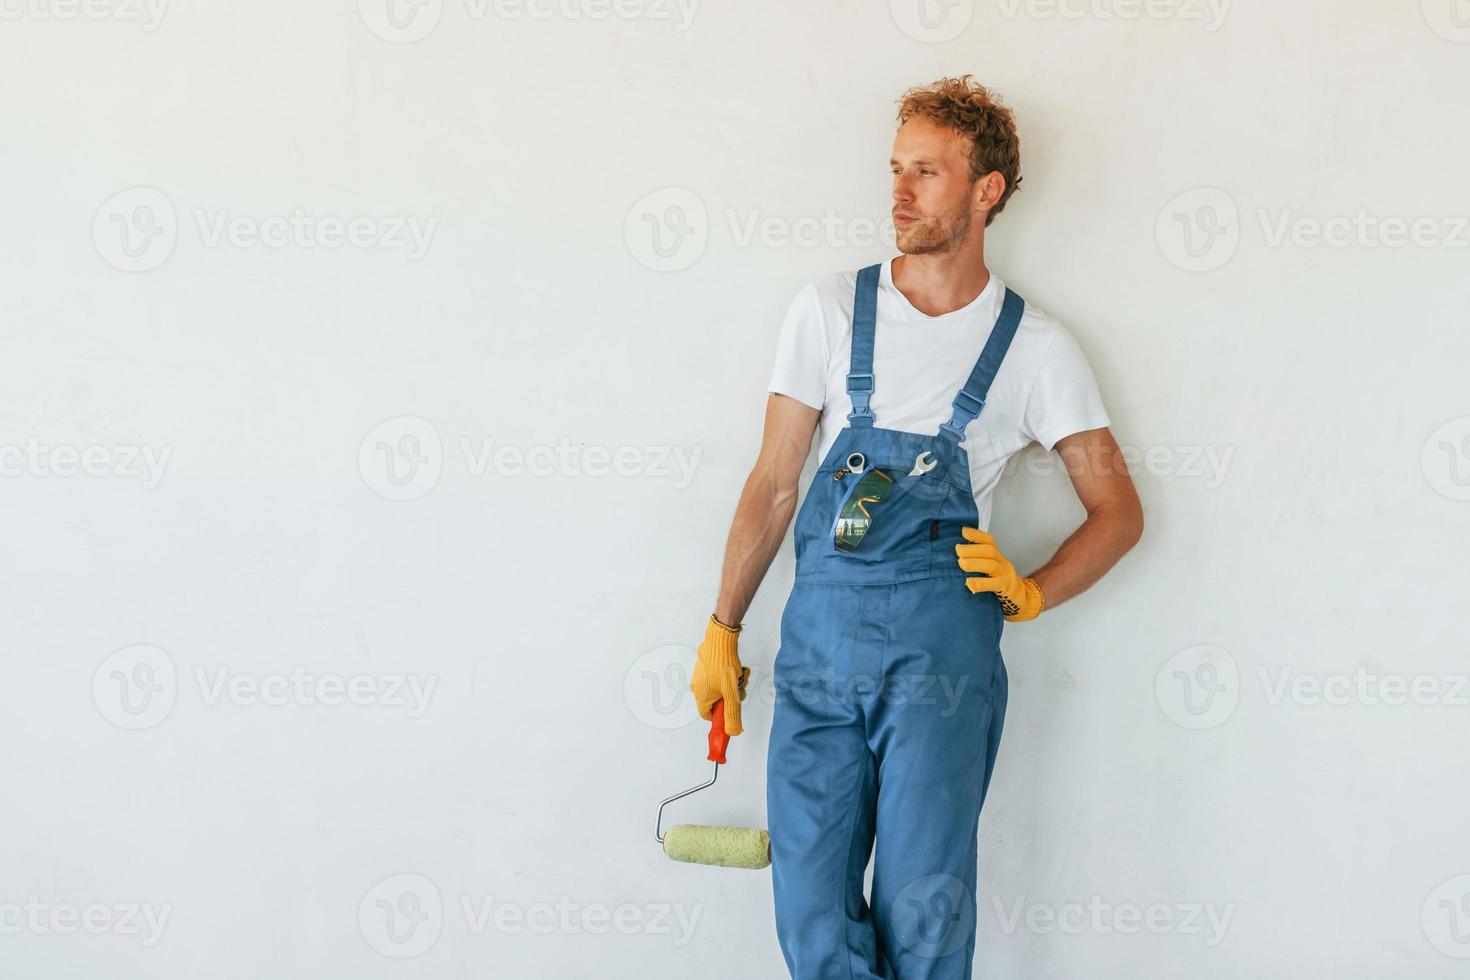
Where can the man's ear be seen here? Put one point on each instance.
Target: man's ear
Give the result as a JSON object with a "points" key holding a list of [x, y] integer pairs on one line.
{"points": [[987, 191]]}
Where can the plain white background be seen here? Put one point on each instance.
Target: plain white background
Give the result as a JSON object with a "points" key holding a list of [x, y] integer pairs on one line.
{"points": [[376, 386]]}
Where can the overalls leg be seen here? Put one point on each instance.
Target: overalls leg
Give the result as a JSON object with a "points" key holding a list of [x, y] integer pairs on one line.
{"points": [[821, 788], [936, 732]]}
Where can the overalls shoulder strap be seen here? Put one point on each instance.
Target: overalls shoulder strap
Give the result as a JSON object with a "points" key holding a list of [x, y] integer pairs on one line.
{"points": [[971, 398], [860, 367]]}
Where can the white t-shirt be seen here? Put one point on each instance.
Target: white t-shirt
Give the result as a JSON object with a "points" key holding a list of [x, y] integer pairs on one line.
{"points": [[1043, 392]]}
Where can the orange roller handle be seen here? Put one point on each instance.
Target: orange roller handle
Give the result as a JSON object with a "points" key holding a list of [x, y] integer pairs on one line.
{"points": [[718, 738]]}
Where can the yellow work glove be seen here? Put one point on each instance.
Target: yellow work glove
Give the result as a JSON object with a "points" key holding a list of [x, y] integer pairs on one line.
{"points": [[718, 674], [1020, 598]]}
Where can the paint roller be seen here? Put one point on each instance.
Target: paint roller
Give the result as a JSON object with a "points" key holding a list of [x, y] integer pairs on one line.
{"points": [[726, 847]]}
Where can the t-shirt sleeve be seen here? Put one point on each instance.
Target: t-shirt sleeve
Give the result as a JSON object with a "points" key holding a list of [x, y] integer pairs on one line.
{"points": [[1064, 398], [802, 352]]}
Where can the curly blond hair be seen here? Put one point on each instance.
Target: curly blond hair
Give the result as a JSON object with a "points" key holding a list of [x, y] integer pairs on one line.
{"points": [[968, 107]]}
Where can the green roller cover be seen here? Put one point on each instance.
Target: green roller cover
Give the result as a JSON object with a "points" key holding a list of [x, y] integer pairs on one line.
{"points": [[727, 847]]}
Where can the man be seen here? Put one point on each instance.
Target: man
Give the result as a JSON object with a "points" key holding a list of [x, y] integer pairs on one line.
{"points": [[926, 374]]}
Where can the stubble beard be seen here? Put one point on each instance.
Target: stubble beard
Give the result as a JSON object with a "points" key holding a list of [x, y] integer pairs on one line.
{"points": [[939, 234]]}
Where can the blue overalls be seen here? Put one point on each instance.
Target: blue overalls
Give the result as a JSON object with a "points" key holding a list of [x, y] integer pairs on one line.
{"points": [[890, 695]]}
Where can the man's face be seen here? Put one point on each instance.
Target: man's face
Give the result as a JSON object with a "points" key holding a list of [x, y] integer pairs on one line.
{"points": [[933, 196]]}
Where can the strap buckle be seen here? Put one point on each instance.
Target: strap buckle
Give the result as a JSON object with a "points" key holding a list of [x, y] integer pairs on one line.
{"points": [[966, 410], [866, 377], [968, 404]]}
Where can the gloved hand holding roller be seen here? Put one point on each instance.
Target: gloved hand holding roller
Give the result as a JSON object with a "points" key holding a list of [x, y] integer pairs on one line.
{"points": [[719, 675], [719, 687]]}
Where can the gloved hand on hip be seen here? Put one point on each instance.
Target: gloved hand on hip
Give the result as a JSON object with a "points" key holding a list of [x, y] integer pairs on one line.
{"points": [[718, 674], [1020, 598]]}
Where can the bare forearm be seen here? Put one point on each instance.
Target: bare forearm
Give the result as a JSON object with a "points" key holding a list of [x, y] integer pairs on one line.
{"points": [[761, 519], [1106, 536]]}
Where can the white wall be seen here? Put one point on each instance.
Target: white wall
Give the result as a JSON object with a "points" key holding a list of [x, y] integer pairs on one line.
{"points": [[1323, 542]]}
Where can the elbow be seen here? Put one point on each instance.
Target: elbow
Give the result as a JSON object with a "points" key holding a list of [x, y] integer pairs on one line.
{"points": [[1133, 524], [773, 489], [784, 495], [1124, 517]]}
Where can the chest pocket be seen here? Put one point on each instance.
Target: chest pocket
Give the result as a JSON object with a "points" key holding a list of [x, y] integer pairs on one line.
{"points": [[885, 512]]}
